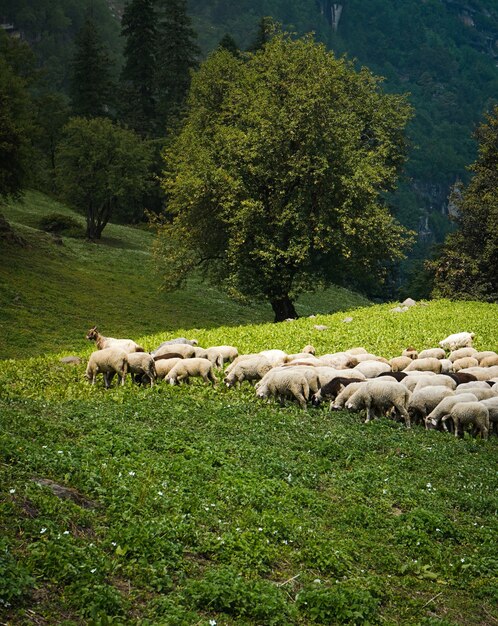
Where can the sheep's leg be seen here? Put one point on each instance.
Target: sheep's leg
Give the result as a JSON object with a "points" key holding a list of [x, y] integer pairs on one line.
{"points": [[210, 377], [404, 414], [301, 400], [370, 415]]}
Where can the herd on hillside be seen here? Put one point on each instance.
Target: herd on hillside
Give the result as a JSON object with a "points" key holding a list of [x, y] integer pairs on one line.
{"points": [[448, 388]]}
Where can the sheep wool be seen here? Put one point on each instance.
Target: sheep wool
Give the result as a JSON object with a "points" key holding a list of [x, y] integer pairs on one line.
{"points": [[108, 361]]}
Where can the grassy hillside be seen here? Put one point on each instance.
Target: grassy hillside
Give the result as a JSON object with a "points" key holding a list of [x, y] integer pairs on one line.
{"points": [[194, 505], [51, 294]]}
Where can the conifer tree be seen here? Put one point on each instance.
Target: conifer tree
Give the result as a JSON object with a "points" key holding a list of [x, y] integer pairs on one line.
{"points": [[266, 28], [227, 42], [138, 78], [91, 84], [177, 56]]}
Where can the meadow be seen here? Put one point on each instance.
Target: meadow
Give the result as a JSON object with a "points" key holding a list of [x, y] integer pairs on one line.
{"points": [[193, 505]]}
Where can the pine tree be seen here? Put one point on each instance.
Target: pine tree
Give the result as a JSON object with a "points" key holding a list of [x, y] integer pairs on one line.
{"points": [[266, 29], [91, 84], [227, 42], [139, 74], [177, 56]]}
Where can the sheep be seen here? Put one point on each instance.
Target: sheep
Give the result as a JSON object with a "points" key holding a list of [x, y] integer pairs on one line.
{"points": [[398, 376], [446, 366], [481, 394], [425, 400], [326, 374], [432, 380], [191, 342], [457, 340], [361, 358], [483, 355], [432, 353], [107, 361], [492, 405], [410, 352], [377, 397], [433, 420], [308, 372], [168, 355], [141, 364], [460, 377], [473, 413], [371, 369], [285, 383], [248, 369], [475, 384], [461, 353], [489, 361], [464, 363], [309, 349], [164, 367], [228, 353], [240, 358], [424, 365], [482, 373], [128, 345], [355, 351], [398, 363], [185, 349], [339, 360], [187, 368], [331, 390], [276, 357], [302, 358]]}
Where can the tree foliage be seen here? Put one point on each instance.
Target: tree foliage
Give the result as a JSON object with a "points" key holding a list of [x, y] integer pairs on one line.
{"points": [[102, 170], [467, 265], [274, 184]]}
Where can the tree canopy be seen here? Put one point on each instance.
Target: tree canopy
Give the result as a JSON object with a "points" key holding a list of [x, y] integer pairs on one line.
{"points": [[274, 185], [467, 265]]}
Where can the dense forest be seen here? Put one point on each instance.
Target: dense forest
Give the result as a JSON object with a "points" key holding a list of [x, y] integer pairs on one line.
{"points": [[442, 53]]}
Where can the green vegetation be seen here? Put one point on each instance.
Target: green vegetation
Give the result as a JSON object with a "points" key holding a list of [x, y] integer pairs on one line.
{"points": [[50, 295], [194, 504]]}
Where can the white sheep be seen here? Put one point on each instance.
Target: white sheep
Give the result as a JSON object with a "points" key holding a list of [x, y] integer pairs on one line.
{"points": [[339, 360], [228, 353], [355, 351], [424, 365], [127, 345], [285, 383], [142, 364], [466, 413], [187, 368], [464, 363], [482, 373], [446, 366], [481, 394], [107, 361], [371, 369], [276, 357], [192, 342], [399, 363], [492, 405], [489, 361], [432, 353], [423, 379], [484, 355], [164, 367], [361, 358], [410, 352], [425, 400], [457, 340], [434, 418], [378, 397], [461, 353], [340, 401], [248, 369], [185, 349], [240, 358]]}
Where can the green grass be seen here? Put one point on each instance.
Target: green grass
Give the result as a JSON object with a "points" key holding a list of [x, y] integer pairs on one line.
{"points": [[50, 295], [211, 505]]}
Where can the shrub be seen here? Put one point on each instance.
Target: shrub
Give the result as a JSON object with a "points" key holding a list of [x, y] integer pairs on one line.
{"points": [[59, 223], [341, 604]]}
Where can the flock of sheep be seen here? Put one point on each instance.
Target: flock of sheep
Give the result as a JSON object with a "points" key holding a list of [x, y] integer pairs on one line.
{"points": [[448, 388]]}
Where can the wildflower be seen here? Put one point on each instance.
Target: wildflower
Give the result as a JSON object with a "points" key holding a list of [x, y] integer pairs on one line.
{"points": [[113, 543], [131, 473], [462, 560], [212, 622], [160, 493], [93, 570], [66, 532], [43, 530], [12, 490], [60, 451], [429, 486]]}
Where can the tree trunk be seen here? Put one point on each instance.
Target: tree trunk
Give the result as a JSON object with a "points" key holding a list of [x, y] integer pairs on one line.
{"points": [[283, 308]]}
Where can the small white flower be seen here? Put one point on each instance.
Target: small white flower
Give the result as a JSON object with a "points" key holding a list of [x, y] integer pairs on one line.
{"points": [[317, 581], [429, 486], [260, 529], [44, 447], [131, 473], [43, 530], [93, 570], [12, 490], [212, 622], [113, 543], [60, 451], [66, 532], [384, 491], [462, 560], [160, 493]]}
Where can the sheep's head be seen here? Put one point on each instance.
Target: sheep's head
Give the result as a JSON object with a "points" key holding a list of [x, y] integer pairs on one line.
{"points": [[229, 381], [92, 334], [316, 399], [431, 423], [309, 349]]}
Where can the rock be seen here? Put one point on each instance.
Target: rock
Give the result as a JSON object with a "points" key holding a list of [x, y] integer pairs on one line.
{"points": [[400, 309], [311, 316], [66, 493], [71, 360], [409, 302], [320, 327], [347, 320]]}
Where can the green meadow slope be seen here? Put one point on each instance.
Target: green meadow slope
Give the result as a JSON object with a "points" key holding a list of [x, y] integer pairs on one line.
{"points": [[51, 294], [193, 505]]}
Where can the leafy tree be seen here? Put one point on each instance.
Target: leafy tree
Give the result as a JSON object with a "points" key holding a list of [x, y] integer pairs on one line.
{"points": [[139, 73], [102, 170], [91, 84], [467, 265], [177, 56], [274, 182]]}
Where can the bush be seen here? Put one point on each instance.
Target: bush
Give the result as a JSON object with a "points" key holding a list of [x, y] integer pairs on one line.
{"points": [[340, 604], [61, 224]]}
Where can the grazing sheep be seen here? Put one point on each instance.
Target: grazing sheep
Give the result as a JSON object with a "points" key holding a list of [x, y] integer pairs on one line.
{"points": [[332, 389], [446, 366], [228, 353], [285, 383], [424, 365], [302, 359], [168, 355], [355, 351], [339, 360], [457, 340], [107, 361], [492, 405], [483, 355], [276, 357], [398, 363], [466, 413], [191, 342], [188, 368], [309, 373], [465, 363], [481, 394], [410, 353], [326, 374], [140, 365], [489, 361], [433, 419], [361, 358], [425, 400], [460, 377], [164, 367], [378, 397], [482, 373], [248, 369], [474, 384], [344, 395], [371, 369], [461, 353], [399, 376], [423, 380], [185, 349], [128, 345], [309, 349], [432, 353], [240, 358]]}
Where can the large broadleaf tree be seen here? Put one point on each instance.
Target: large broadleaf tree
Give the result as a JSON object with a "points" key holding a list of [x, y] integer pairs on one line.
{"points": [[276, 182]]}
